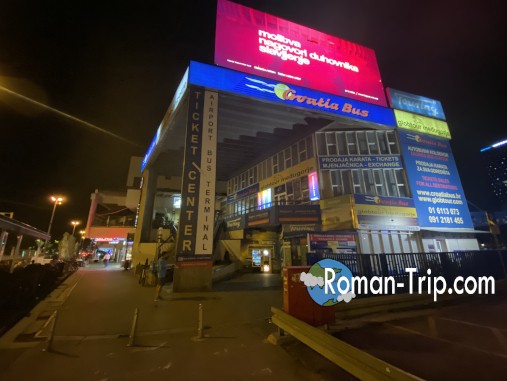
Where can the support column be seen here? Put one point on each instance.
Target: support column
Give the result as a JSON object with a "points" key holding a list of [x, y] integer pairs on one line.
{"points": [[194, 246]]}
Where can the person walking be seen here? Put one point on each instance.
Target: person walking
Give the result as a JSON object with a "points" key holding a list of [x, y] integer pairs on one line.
{"points": [[106, 258], [161, 268]]}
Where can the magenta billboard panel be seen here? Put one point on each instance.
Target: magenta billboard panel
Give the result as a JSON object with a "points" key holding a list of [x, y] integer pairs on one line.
{"points": [[258, 43]]}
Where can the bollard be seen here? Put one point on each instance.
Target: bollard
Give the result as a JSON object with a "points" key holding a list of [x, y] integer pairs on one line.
{"points": [[199, 324], [49, 346], [133, 330]]}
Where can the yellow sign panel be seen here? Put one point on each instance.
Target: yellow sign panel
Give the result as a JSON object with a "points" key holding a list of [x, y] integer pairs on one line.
{"points": [[302, 169], [381, 210], [422, 124]]}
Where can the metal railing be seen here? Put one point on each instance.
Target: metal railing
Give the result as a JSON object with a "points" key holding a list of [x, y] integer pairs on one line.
{"points": [[448, 264]]}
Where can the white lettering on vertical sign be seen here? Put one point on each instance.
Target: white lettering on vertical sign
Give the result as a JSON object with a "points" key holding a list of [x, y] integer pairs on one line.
{"points": [[206, 213]]}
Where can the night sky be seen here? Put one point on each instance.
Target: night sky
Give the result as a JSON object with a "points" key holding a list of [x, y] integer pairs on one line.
{"points": [[116, 65]]}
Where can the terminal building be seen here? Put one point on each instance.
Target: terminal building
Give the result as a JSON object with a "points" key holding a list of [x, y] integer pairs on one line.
{"points": [[288, 145]]}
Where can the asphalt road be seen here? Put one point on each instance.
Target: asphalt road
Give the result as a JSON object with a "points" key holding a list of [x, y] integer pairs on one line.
{"points": [[464, 341]]}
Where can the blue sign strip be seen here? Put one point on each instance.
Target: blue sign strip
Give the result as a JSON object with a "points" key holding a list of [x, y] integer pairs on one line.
{"points": [[415, 103], [434, 180], [360, 162], [221, 79]]}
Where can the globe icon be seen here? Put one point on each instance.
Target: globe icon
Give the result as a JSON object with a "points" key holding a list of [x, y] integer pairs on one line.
{"points": [[315, 286]]}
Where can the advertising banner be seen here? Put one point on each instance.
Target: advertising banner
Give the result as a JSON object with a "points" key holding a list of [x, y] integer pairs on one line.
{"points": [[217, 78], [385, 213], [195, 238], [422, 124], [415, 103], [335, 242], [434, 180], [302, 169], [360, 162], [258, 43]]}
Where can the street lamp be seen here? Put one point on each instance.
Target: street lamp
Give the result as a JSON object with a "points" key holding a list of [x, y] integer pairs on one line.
{"points": [[57, 200], [74, 224]]}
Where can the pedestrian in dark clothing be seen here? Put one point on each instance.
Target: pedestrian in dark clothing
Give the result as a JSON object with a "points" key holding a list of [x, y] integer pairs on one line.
{"points": [[161, 267]]}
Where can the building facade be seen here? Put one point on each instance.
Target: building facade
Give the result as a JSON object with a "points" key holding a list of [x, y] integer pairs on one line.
{"points": [[250, 166]]}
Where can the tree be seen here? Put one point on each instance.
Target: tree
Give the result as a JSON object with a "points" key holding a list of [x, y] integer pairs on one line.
{"points": [[67, 246]]}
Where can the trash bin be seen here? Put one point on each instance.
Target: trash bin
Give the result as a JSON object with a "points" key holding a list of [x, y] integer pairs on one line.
{"points": [[298, 303]]}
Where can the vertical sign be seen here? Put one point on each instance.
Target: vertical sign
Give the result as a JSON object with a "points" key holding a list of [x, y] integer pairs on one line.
{"points": [[313, 186], [195, 238], [206, 209]]}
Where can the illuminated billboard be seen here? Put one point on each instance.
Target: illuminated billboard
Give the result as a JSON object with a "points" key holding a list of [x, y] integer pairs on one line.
{"points": [[415, 103], [422, 124], [435, 183], [258, 43]]}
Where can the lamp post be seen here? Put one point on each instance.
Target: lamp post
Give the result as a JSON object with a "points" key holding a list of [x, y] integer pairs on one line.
{"points": [[57, 200], [74, 224]]}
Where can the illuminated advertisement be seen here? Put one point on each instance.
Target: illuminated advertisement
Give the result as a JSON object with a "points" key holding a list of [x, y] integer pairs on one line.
{"points": [[313, 186], [385, 213], [264, 199], [258, 43], [217, 78], [415, 103], [360, 162], [422, 124], [434, 180]]}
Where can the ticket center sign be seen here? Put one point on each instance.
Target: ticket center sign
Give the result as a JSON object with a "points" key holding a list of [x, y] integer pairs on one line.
{"points": [[254, 42], [434, 180], [195, 236]]}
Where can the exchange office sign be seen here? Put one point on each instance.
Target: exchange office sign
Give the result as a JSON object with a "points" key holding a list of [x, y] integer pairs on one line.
{"points": [[195, 238]]}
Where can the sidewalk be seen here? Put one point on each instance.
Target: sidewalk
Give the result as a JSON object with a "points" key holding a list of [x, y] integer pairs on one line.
{"points": [[95, 314]]}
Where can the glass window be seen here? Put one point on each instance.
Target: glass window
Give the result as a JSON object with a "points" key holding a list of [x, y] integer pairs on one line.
{"points": [[369, 183], [302, 150], [382, 141], [336, 183], [281, 161], [361, 139], [342, 143], [269, 168], [351, 143], [347, 182], [392, 187], [321, 143], [290, 192], [379, 182], [305, 193], [295, 156], [275, 163], [356, 180], [371, 136], [393, 145], [331, 144], [401, 181], [288, 158], [297, 191]]}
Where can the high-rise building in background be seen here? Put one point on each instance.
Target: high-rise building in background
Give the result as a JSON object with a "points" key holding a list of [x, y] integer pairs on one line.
{"points": [[496, 160]]}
